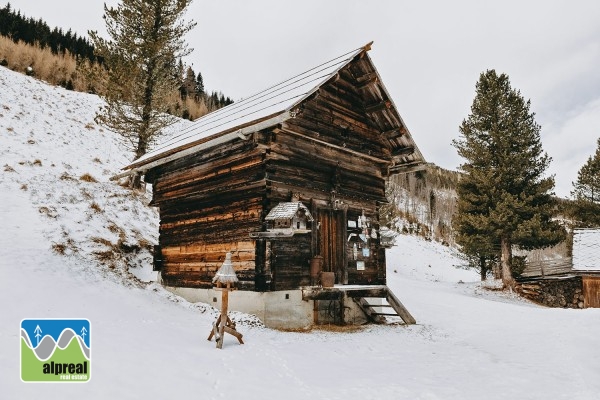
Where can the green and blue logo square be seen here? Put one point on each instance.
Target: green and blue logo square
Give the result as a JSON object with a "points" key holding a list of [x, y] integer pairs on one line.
{"points": [[55, 350]]}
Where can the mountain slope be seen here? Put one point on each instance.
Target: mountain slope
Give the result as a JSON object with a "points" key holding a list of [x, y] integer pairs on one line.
{"points": [[470, 343]]}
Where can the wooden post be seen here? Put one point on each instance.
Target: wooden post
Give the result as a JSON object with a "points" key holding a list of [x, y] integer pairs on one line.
{"points": [[225, 276], [224, 309]]}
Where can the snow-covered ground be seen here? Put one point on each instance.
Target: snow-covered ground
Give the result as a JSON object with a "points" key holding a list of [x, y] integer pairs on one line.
{"points": [[56, 233]]}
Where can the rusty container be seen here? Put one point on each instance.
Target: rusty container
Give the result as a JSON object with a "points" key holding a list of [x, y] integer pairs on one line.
{"points": [[327, 279]]}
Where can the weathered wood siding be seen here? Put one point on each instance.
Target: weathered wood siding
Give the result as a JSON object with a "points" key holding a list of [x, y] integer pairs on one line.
{"points": [[591, 291], [334, 153], [209, 202]]}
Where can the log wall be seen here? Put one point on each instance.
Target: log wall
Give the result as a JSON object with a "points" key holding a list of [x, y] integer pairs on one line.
{"points": [[335, 153], [209, 202]]}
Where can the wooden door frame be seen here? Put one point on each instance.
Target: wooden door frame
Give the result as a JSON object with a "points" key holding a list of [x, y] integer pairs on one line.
{"points": [[337, 215]]}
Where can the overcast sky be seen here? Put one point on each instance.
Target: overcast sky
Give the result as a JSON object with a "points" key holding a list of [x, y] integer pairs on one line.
{"points": [[428, 53]]}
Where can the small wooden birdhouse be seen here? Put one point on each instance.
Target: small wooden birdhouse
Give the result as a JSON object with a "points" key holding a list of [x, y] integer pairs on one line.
{"points": [[289, 216]]}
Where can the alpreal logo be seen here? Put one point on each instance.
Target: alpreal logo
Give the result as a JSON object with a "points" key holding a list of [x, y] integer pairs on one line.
{"points": [[55, 350]]}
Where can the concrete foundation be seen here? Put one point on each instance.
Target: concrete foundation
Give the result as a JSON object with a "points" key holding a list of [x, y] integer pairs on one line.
{"points": [[280, 310], [285, 309]]}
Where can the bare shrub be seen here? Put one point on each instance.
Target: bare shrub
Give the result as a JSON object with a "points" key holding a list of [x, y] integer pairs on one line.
{"points": [[8, 168], [37, 162]]}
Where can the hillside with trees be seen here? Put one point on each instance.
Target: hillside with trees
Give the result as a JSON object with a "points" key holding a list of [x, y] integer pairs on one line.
{"points": [[422, 203], [19, 28], [65, 59]]}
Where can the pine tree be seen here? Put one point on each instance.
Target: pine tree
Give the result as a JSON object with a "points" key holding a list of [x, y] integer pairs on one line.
{"points": [[504, 195], [586, 191], [146, 39], [189, 83], [200, 86]]}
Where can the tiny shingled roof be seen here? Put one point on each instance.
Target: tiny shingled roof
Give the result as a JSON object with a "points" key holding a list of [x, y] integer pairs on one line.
{"points": [[287, 210], [226, 274]]}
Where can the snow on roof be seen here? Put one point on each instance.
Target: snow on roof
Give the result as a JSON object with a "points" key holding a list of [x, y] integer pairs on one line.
{"points": [[287, 210], [266, 105], [586, 249], [226, 274]]}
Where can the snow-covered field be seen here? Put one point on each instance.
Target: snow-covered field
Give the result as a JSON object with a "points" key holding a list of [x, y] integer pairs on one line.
{"points": [[56, 233]]}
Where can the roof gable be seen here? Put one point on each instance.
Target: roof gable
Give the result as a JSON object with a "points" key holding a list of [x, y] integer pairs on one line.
{"points": [[281, 102]]}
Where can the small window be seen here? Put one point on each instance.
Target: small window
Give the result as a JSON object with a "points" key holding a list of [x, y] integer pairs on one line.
{"points": [[298, 225]]}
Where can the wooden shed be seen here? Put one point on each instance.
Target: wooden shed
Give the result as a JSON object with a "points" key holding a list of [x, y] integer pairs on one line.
{"points": [[569, 281], [316, 149], [586, 262]]}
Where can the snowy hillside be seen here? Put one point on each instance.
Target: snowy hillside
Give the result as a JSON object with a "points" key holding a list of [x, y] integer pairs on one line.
{"points": [[62, 218]]}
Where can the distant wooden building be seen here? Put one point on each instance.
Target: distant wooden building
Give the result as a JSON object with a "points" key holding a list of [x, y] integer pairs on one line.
{"points": [[568, 281], [293, 172]]}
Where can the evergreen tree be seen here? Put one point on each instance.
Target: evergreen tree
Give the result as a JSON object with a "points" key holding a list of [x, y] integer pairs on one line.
{"points": [[189, 83], [504, 195], [146, 37], [586, 191], [199, 86], [473, 232]]}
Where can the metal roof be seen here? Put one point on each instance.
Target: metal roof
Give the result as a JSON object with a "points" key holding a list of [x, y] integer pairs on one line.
{"points": [[266, 105], [273, 106]]}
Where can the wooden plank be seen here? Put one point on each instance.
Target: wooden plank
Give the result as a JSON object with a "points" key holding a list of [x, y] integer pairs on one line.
{"points": [[383, 105], [591, 291], [289, 130], [400, 309]]}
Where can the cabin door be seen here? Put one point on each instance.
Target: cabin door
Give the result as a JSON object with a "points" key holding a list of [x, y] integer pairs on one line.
{"points": [[331, 242]]}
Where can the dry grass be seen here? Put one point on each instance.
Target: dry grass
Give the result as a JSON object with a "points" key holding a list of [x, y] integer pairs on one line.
{"points": [[87, 178], [61, 69], [37, 162], [107, 255], [102, 241], [47, 212], [24, 187], [66, 177], [94, 206], [83, 76], [59, 248], [8, 168]]}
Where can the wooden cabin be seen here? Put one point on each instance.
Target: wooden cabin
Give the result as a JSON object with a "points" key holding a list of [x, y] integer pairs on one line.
{"points": [[294, 172]]}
